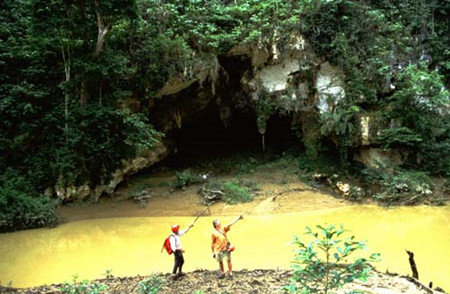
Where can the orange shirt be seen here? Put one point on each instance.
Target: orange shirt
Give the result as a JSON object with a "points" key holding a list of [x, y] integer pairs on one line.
{"points": [[219, 240]]}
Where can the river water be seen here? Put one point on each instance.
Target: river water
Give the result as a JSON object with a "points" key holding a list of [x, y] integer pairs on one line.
{"points": [[129, 246]]}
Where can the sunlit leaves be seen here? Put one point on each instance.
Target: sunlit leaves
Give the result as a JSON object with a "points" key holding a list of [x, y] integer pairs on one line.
{"points": [[422, 88], [323, 264]]}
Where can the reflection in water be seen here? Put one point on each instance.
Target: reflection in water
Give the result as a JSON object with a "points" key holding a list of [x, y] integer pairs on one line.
{"points": [[132, 246]]}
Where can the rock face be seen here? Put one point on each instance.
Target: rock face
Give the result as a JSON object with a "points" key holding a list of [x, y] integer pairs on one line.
{"points": [[297, 80], [264, 82], [129, 167], [378, 158], [366, 148]]}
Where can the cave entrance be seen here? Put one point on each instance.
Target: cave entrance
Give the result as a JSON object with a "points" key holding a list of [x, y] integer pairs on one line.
{"points": [[208, 138]]}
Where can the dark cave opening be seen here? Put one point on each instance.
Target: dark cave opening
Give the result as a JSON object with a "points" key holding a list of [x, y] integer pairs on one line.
{"points": [[203, 135], [208, 138]]}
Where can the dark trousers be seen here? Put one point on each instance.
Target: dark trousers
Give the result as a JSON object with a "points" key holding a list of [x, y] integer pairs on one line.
{"points": [[179, 261]]}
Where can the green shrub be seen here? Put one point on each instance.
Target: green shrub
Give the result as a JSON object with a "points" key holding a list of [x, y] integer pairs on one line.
{"points": [[323, 164], [435, 158], [401, 136], [21, 207], [232, 191], [323, 265], [239, 190], [247, 166], [370, 176], [19, 211], [151, 285], [184, 179], [82, 287], [407, 187], [399, 186]]}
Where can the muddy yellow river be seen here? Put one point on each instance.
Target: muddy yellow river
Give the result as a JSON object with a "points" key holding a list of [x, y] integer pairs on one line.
{"points": [[132, 246]]}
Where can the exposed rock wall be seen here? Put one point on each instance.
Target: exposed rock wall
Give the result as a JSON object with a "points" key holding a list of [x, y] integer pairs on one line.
{"points": [[297, 80], [129, 167], [378, 158], [291, 80]]}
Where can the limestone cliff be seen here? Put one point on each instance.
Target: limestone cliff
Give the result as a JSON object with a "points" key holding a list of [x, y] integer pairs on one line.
{"points": [[291, 81]]}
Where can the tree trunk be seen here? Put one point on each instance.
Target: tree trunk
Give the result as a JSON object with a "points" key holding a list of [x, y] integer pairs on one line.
{"points": [[263, 142], [67, 68], [84, 95], [102, 30], [101, 37]]}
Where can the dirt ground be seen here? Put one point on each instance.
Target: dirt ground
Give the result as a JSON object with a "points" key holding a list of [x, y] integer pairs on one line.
{"points": [[277, 193], [243, 282]]}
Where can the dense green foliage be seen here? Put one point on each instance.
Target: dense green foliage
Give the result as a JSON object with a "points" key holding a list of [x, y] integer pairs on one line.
{"points": [[391, 65], [21, 207], [61, 91], [47, 131], [324, 264], [76, 76]]}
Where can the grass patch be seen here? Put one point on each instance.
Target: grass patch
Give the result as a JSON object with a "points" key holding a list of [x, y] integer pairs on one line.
{"points": [[230, 191]]}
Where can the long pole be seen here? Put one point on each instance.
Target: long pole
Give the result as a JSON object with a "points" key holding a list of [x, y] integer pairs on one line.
{"points": [[201, 213]]}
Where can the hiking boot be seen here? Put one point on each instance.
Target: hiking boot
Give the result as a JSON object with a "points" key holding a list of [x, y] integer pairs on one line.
{"points": [[221, 276], [230, 277], [181, 274]]}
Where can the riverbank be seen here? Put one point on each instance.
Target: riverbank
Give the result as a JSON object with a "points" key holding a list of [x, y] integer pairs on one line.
{"points": [[278, 192], [124, 236], [243, 282]]}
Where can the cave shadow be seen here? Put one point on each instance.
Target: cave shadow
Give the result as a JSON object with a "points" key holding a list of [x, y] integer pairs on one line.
{"points": [[207, 138]]}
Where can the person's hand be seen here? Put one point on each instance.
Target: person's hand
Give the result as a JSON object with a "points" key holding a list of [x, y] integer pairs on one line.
{"points": [[241, 217], [214, 255], [191, 225]]}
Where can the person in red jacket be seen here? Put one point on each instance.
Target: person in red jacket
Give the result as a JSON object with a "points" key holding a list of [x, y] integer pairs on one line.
{"points": [[221, 247]]}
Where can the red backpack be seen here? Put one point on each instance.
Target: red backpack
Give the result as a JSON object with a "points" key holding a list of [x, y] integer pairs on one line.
{"points": [[166, 245]]}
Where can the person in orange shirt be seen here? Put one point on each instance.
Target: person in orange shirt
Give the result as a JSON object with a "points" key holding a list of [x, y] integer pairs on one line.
{"points": [[221, 247]]}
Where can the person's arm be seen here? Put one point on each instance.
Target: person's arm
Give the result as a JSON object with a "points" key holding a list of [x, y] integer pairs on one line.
{"points": [[233, 222], [182, 232]]}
